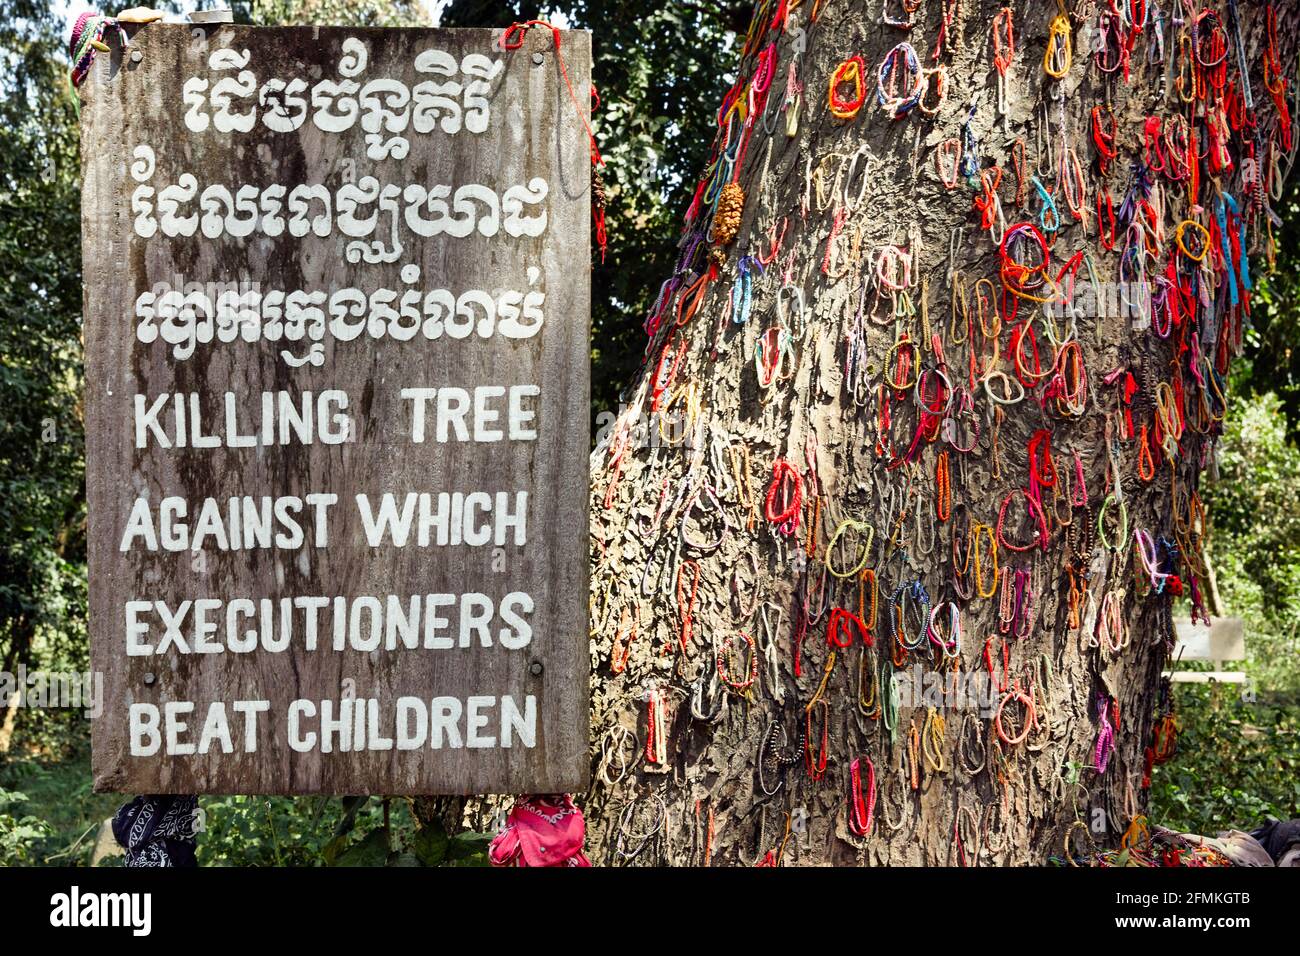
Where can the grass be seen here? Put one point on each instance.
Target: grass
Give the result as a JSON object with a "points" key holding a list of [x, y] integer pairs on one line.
{"points": [[59, 793]]}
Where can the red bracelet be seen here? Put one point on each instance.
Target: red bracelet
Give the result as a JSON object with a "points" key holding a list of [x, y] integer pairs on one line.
{"points": [[861, 811], [842, 619], [783, 472], [1104, 138], [850, 71]]}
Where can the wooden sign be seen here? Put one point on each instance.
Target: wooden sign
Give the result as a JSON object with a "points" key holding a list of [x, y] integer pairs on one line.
{"points": [[336, 323]]}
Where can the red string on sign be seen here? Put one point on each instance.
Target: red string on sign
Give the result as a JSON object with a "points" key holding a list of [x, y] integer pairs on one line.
{"points": [[512, 38]]}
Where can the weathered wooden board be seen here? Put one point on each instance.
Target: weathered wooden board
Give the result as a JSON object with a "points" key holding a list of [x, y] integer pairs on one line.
{"points": [[272, 214]]}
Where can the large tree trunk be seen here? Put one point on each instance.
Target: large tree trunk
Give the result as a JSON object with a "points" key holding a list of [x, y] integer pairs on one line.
{"points": [[692, 771]]}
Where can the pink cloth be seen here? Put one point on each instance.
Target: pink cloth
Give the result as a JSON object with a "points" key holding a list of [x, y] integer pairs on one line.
{"points": [[541, 831]]}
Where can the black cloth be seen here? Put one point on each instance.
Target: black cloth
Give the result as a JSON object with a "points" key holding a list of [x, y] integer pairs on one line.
{"points": [[158, 830], [1278, 836]]}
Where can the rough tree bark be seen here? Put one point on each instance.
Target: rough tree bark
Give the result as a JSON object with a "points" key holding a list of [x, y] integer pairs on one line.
{"points": [[727, 773]]}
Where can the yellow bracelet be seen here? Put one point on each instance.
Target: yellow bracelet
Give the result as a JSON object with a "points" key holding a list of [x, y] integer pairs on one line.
{"points": [[1060, 48], [865, 552], [1205, 239]]}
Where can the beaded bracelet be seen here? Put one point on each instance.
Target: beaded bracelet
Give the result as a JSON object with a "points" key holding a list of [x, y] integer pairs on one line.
{"points": [[724, 651], [868, 702], [861, 811], [897, 609], [923, 549], [1105, 746], [969, 763], [976, 532], [784, 474], [904, 359], [686, 609], [943, 487], [932, 735]]}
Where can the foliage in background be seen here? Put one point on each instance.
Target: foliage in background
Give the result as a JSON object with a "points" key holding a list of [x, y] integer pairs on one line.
{"points": [[42, 488], [1255, 536], [57, 788], [1238, 762], [20, 832], [318, 831], [1272, 362], [352, 13]]}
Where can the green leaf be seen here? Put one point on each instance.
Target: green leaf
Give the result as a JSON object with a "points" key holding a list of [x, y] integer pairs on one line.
{"points": [[330, 852], [372, 850], [469, 849], [430, 845]]}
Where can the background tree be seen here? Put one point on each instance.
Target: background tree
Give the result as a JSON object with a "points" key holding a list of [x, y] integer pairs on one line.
{"points": [[42, 489], [1272, 360], [841, 323], [351, 13]]}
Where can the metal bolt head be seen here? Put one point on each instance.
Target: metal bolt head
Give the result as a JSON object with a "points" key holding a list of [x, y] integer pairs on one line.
{"points": [[538, 59], [149, 678], [136, 56], [535, 668]]}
